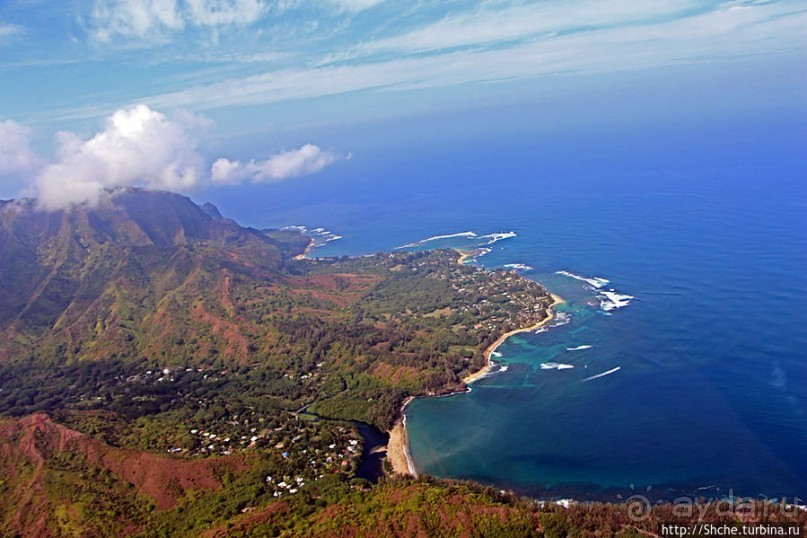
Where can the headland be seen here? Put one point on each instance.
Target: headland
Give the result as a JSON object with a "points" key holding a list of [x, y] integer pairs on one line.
{"points": [[398, 453]]}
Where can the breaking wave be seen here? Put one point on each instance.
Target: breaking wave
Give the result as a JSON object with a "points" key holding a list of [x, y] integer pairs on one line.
{"points": [[594, 282], [555, 366], [518, 266], [609, 372], [609, 299], [474, 239], [319, 236], [469, 235]]}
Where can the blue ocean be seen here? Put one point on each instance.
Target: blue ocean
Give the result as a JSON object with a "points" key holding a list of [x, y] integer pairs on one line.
{"points": [[678, 361]]}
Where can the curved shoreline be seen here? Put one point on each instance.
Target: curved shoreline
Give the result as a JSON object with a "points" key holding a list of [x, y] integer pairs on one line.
{"points": [[398, 446], [308, 248], [464, 256], [398, 453], [475, 376]]}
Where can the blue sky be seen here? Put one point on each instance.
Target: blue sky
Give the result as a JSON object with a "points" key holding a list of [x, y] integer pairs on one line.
{"points": [[198, 80]]}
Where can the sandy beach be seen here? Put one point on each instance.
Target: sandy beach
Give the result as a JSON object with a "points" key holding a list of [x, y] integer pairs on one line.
{"points": [[464, 256], [475, 376], [307, 251], [398, 445]]}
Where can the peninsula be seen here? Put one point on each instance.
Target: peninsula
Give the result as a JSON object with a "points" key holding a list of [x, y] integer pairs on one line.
{"points": [[398, 453]]}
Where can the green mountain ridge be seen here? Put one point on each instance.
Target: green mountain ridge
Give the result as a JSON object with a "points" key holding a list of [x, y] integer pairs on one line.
{"points": [[93, 283]]}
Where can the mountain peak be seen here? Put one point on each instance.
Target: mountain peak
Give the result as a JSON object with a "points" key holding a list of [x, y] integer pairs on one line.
{"points": [[212, 210]]}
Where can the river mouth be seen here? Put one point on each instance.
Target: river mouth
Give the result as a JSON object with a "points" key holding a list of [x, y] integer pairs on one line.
{"points": [[371, 466], [374, 452]]}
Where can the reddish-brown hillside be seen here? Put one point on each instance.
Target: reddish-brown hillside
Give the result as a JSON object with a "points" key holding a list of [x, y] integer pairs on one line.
{"points": [[35, 451]]}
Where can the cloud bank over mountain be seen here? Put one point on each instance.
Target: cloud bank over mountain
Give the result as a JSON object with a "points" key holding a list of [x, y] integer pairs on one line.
{"points": [[142, 147]]}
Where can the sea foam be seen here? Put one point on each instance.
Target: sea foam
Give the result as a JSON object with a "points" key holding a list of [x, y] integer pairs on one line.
{"points": [[319, 236], [594, 282], [561, 319], [478, 253], [611, 300], [609, 372], [469, 235], [555, 366], [484, 240], [518, 266], [495, 237]]}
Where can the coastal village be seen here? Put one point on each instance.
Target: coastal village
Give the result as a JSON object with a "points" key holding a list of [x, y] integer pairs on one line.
{"points": [[500, 300], [299, 448], [494, 301]]}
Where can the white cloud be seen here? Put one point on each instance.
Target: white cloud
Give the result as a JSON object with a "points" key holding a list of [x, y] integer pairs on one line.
{"points": [[16, 155], [142, 147], [134, 18], [9, 29], [356, 5], [639, 42], [225, 12], [138, 146], [500, 23], [142, 18], [302, 161]]}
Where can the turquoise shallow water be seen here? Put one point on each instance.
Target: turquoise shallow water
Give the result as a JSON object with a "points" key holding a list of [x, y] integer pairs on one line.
{"points": [[709, 237], [709, 393]]}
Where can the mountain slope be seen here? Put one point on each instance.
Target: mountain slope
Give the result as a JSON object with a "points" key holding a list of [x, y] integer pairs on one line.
{"points": [[93, 297], [92, 284]]}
